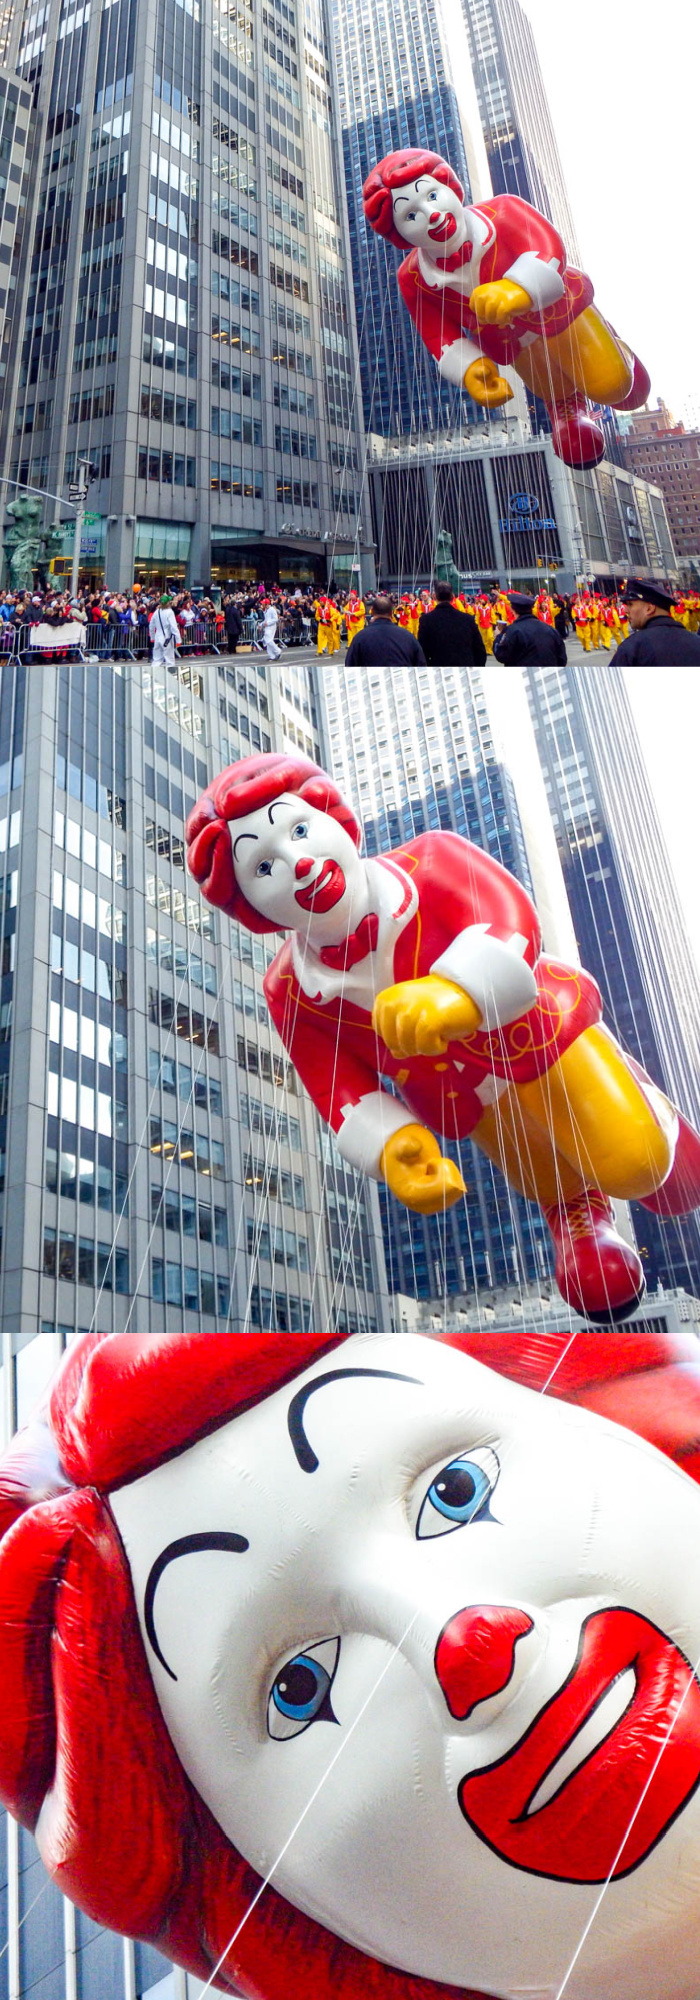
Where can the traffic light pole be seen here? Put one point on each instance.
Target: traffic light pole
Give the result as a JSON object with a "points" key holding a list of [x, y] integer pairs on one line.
{"points": [[81, 496]]}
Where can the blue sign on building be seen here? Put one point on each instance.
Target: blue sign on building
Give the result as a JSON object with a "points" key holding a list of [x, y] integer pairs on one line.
{"points": [[524, 517]]}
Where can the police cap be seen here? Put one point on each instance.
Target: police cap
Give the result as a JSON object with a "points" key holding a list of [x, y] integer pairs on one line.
{"points": [[520, 601], [644, 590]]}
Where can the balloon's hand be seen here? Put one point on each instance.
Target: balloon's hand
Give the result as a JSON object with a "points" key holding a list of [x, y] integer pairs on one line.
{"points": [[499, 303], [421, 1016], [414, 1169], [483, 382]]}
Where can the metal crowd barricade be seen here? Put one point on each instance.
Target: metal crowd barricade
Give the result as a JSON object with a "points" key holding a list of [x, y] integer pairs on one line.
{"points": [[199, 638]]}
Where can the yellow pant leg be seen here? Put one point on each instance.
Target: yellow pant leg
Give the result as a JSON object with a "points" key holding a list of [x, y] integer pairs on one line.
{"points": [[525, 1153], [487, 637], [605, 636], [322, 638], [595, 634], [593, 358], [600, 1120], [583, 633], [539, 367]]}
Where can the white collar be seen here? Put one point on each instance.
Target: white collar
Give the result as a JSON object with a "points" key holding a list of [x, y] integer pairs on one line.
{"points": [[395, 898], [479, 233]]}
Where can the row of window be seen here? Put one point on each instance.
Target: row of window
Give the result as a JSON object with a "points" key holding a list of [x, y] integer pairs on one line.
{"points": [[94, 910], [277, 1245], [85, 1262], [260, 1062], [265, 1120], [94, 1040], [300, 492], [275, 1312], [93, 1183], [79, 1104], [95, 975], [186, 1215], [162, 352], [166, 793], [176, 1079], [163, 406], [294, 443], [187, 910], [242, 383], [73, 779], [187, 1023], [233, 292], [231, 424], [274, 1183], [195, 1291], [169, 700], [226, 478], [190, 1149], [167, 468], [176, 958]]}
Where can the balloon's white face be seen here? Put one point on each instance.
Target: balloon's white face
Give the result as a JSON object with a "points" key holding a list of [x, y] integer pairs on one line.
{"points": [[299, 868], [421, 1641], [428, 215]]}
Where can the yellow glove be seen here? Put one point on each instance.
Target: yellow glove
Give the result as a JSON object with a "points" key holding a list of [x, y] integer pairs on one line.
{"points": [[483, 382], [499, 303], [421, 1016], [414, 1169]]}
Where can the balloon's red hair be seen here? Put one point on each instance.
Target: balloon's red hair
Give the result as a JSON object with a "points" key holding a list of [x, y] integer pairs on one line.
{"points": [[396, 170], [243, 788], [85, 1758]]}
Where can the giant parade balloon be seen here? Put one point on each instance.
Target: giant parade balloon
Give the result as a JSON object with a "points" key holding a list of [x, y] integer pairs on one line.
{"points": [[489, 287], [360, 1668], [414, 998]]}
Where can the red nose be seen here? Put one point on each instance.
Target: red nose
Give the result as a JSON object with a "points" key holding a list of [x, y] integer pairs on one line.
{"points": [[303, 868], [475, 1655], [436, 216]]}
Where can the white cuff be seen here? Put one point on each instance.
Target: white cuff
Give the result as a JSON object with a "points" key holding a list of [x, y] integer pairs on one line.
{"points": [[367, 1126], [456, 359], [495, 975], [541, 281]]}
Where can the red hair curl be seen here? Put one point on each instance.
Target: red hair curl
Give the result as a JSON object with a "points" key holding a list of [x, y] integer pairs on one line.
{"points": [[394, 171], [242, 788], [86, 1761]]}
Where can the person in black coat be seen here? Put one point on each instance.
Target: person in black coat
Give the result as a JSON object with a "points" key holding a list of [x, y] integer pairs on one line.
{"points": [[383, 644], [450, 638], [656, 640], [233, 622], [528, 642]]}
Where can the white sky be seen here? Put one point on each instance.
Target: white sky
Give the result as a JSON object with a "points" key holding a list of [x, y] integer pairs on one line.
{"points": [[621, 77], [666, 703]]}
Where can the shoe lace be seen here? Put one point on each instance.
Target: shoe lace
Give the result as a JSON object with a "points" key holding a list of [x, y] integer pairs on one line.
{"points": [[578, 1215]]}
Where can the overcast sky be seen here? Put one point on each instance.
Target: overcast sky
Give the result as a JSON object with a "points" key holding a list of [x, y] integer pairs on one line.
{"points": [[621, 77]]}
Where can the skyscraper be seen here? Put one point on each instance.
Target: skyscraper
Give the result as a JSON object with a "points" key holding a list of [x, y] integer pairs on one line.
{"points": [[516, 121], [395, 89], [627, 918], [418, 748], [183, 315]]}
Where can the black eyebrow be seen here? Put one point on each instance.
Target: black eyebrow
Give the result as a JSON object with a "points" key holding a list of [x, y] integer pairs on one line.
{"points": [[243, 836], [304, 1453], [276, 802], [188, 1545]]}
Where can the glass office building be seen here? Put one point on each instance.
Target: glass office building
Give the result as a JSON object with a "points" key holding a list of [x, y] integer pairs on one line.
{"points": [[182, 314], [521, 147], [628, 921]]}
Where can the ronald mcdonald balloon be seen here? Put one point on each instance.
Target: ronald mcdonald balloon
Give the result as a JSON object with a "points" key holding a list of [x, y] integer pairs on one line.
{"points": [[423, 968], [361, 1666], [489, 287]]}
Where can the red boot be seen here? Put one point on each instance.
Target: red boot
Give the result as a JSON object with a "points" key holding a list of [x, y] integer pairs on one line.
{"points": [[640, 391], [577, 438], [598, 1274], [680, 1192]]}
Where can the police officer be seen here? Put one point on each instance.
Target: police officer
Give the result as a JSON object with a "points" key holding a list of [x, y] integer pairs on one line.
{"points": [[655, 639], [528, 641]]}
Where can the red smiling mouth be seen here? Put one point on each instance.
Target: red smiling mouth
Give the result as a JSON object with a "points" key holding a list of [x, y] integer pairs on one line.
{"points": [[443, 229], [605, 1817], [325, 891]]}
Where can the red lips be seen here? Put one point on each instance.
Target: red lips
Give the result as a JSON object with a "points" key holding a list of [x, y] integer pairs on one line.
{"points": [[325, 891], [610, 1812], [446, 228]]}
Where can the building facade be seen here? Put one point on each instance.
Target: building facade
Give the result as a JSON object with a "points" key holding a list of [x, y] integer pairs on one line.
{"points": [[395, 89], [15, 121], [183, 315], [521, 147], [626, 914], [512, 509], [416, 749], [665, 452]]}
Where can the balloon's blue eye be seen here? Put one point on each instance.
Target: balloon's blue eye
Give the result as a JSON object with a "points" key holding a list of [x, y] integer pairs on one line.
{"points": [[300, 1692], [300, 832], [264, 868], [458, 1493]]}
